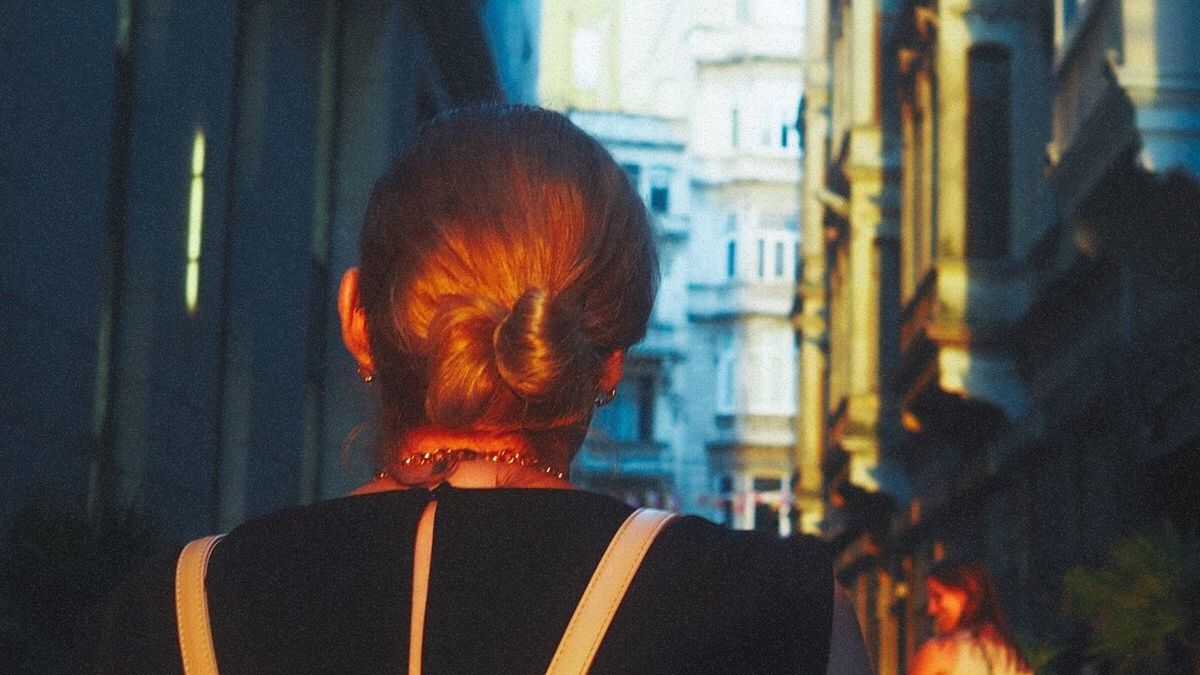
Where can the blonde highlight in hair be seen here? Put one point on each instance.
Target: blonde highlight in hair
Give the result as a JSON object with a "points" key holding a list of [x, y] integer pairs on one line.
{"points": [[504, 256]]}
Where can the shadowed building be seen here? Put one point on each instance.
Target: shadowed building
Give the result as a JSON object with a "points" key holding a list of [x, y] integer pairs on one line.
{"points": [[183, 187], [998, 327]]}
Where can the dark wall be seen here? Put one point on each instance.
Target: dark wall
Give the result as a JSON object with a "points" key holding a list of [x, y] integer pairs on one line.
{"points": [[112, 388], [56, 102]]}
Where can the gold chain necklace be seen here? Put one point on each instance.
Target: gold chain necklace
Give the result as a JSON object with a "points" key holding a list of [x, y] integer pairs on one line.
{"points": [[443, 458]]}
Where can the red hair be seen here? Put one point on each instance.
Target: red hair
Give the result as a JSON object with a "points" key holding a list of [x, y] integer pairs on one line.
{"points": [[982, 608], [504, 256]]}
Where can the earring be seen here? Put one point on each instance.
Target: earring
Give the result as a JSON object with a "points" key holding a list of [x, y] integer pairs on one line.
{"points": [[604, 398], [365, 373]]}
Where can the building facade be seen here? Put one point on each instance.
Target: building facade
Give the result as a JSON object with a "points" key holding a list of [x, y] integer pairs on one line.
{"points": [[705, 94], [745, 179], [183, 189], [630, 449], [987, 327]]}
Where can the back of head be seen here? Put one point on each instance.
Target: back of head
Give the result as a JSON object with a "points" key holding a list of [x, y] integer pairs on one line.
{"points": [[503, 257]]}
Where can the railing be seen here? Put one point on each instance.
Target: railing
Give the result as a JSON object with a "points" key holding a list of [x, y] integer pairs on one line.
{"points": [[670, 225], [771, 297]]}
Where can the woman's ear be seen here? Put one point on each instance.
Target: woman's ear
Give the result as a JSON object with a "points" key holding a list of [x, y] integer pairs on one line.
{"points": [[611, 370], [354, 320]]}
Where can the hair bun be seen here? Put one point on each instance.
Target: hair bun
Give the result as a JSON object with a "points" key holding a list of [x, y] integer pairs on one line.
{"points": [[542, 352], [487, 364]]}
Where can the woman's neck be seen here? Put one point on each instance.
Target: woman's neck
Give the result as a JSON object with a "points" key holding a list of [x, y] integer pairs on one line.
{"points": [[412, 465]]}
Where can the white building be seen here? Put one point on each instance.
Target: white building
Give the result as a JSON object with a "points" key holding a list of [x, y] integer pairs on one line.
{"points": [[698, 99], [746, 174], [632, 451]]}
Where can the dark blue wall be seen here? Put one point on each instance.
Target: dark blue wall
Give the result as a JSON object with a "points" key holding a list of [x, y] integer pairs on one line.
{"points": [[56, 95], [241, 407]]}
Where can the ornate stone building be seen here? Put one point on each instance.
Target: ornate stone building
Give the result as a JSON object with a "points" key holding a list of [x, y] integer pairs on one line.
{"points": [[1000, 230]]}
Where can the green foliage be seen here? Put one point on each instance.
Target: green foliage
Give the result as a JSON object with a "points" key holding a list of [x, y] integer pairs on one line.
{"points": [[1143, 604], [57, 563], [1040, 654]]}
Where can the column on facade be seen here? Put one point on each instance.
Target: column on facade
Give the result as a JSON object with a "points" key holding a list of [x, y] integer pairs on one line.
{"points": [[812, 325], [872, 170]]}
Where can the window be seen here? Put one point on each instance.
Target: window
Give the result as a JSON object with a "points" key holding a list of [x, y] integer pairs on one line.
{"points": [[742, 10], [762, 263], [919, 201], [634, 173], [731, 259], [645, 405], [725, 493], [733, 127], [988, 161], [779, 130], [630, 415], [660, 190], [726, 382], [1069, 9], [778, 259]]}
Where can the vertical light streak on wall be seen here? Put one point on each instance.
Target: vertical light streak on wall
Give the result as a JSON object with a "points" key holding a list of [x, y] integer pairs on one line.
{"points": [[191, 291]]}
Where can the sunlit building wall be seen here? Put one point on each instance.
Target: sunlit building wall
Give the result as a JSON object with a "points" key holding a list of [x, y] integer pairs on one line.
{"points": [[851, 243], [1036, 360], [190, 202]]}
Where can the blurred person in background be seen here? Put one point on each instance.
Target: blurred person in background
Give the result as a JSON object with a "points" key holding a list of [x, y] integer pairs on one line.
{"points": [[971, 634]]}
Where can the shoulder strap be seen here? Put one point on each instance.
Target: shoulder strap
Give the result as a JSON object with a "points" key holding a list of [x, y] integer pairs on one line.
{"points": [[422, 555], [191, 607], [604, 592]]}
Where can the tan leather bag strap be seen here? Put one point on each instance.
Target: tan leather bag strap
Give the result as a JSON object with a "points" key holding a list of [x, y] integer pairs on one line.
{"points": [[422, 555], [606, 589], [191, 607], [575, 653]]}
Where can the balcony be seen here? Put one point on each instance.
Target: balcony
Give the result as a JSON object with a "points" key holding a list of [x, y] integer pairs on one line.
{"points": [[746, 43], [671, 226], [758, 430], [662, 342], [1094, 119], [955, 373], [766, 166]]}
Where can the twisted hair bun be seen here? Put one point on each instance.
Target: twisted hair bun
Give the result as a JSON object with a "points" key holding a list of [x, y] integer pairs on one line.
{"points": [[504, 257], [542, 352]]}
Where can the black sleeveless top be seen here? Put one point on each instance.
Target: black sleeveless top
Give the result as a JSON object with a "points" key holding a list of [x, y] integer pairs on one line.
{"points": [[326, 589]]}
